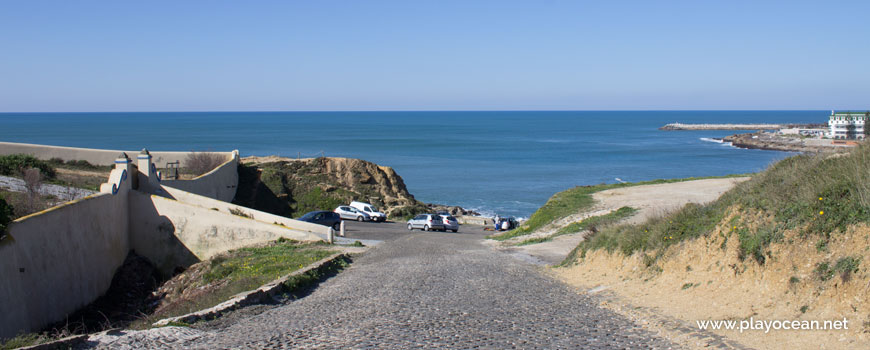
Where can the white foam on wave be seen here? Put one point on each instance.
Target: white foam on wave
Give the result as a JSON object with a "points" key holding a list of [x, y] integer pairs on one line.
{"points": [[719, 141]]}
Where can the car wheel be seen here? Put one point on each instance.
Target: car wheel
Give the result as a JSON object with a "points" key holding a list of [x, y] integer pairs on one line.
{"points": [[426, 228], [336, 226], [359, 218], [410, 228], [454, 231]]}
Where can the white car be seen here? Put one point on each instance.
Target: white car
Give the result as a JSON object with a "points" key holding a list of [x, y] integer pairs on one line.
{"points": [[369, 209], [351, 213]]}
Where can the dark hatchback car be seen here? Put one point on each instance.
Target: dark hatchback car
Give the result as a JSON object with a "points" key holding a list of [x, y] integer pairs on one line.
{"points": [[323, 217]]}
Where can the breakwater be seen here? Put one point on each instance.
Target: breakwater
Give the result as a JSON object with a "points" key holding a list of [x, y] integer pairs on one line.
{"points": [[681, 126]]}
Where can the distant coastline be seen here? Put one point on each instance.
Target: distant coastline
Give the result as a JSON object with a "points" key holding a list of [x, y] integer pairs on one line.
{"points": [[682, 126]]}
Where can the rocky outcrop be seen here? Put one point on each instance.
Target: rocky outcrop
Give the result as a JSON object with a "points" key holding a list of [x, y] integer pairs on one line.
{"points": [[292, 187], [774, 142]]}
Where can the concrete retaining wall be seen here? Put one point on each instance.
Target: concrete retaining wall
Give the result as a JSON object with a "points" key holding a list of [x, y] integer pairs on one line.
{"points": [[57, 261], [93, 156], [208, 203], [173, 234], [220, 183]]}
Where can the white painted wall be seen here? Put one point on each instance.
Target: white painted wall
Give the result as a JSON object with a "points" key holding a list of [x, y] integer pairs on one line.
{"points": [[175, 234], [220, 183], [225, 207], [55, 262]]}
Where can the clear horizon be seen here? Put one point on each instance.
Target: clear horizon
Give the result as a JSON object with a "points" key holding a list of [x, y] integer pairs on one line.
{"points": [[273, 56]]}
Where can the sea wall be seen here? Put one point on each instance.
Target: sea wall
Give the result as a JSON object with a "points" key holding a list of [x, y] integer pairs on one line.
{"points": [[59, 260], [93, 156], [220, 183], [174, 235]]}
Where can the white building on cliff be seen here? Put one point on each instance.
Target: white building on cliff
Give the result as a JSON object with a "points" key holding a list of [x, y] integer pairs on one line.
{"points": [[847, 125]]}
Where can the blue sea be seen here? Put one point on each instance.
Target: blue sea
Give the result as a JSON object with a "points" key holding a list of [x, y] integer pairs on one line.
{"points": [[507, 163]]}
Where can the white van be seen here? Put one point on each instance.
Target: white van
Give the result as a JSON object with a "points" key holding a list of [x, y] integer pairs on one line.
{"points": [[371, 210]]}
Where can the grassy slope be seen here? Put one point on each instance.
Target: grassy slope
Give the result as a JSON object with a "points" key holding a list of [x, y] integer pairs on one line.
{"points": [[575, 200], [231, 273], [819, 195], [592, 223]]}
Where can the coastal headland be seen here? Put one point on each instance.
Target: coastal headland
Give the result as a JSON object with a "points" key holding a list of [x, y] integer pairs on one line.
{"points": [[774, 142]]}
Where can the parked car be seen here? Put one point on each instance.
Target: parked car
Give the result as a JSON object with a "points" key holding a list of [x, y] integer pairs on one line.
{"points": [[369, 209], [351, 213], [449, 222], [323, 217], [426, 222], [504, 224]]}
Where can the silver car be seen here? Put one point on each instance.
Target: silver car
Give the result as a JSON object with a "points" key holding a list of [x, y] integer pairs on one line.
{"points": [[351, 213], [426, 222], [449, 222]]}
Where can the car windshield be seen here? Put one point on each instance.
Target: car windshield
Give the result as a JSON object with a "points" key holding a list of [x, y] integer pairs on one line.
{"points": [[372, 209], [308, 216]]}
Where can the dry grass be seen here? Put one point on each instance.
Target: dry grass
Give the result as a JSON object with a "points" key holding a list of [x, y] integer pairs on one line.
{"points": [[199, 163], [820, 195]]}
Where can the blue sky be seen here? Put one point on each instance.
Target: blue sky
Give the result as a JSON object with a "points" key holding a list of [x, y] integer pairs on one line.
{"points": [[432, 55]]}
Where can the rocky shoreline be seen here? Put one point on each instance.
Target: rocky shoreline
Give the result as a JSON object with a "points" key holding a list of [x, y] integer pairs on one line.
{"points": [[773, 142]]}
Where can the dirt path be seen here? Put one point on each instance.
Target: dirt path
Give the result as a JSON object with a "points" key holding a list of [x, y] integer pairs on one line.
{"points": [[650, 200]]}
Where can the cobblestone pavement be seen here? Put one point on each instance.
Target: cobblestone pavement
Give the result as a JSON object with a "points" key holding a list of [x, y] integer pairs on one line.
{"points": [[420, 290]]}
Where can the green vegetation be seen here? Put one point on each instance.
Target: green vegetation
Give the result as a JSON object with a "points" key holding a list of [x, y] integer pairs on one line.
{"points": [[536, 240], [249, 268], [14, 164], [78, 164], [576, 200], [592, 223], [244, 269], [819, 195], [6, 215], [293, 188], [29, 339]]}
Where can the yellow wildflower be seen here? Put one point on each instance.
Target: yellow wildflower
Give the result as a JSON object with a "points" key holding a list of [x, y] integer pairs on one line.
{"points": [[822, 212]]}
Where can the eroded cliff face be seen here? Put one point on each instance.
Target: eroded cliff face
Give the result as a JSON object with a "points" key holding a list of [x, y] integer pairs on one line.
{"points": [[291, 187]]}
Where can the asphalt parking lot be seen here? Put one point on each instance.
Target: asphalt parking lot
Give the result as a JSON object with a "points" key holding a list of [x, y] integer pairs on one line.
{"points": [[390, 230]]}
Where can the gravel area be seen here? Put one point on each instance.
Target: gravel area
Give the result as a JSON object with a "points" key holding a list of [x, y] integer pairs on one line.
{"points": [[429, 290]]}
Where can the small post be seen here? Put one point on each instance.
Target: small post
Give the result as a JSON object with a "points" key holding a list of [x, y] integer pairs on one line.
{"points": [[330, 236], [341, 231]]}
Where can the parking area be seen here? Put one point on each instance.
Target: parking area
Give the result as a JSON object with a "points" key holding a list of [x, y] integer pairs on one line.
{"points": [[390, 230]]}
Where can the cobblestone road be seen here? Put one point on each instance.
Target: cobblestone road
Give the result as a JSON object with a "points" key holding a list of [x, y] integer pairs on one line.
{"points": [[420, 290]]}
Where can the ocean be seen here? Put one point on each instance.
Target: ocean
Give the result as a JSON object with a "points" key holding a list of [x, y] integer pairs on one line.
{"points": [[506, 163]]}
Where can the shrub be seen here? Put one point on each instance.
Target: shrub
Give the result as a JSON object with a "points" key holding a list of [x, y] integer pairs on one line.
{"points": [[199, 163], [15, 164], [6, 215], [846, 266]]}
